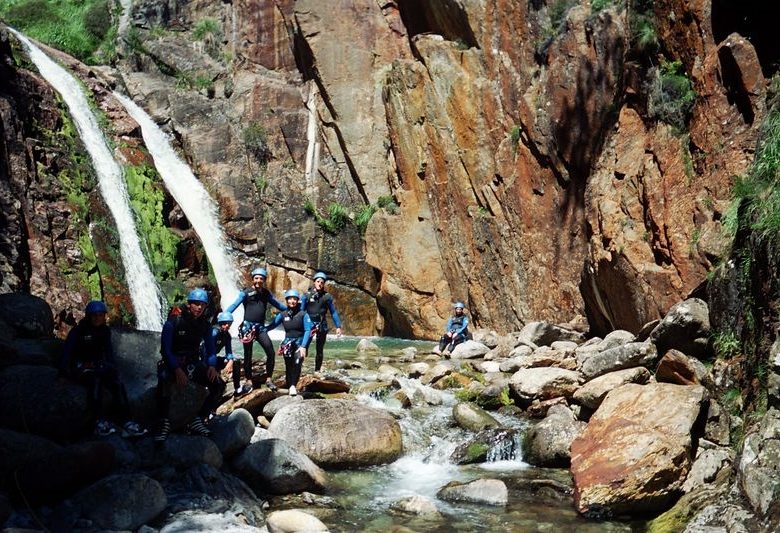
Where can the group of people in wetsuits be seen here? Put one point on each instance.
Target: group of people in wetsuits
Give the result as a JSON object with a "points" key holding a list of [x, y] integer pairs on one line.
{"points": [[189, 346]]}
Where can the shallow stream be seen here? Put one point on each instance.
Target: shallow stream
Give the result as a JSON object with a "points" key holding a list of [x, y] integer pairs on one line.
{"points": [[363, 497]]}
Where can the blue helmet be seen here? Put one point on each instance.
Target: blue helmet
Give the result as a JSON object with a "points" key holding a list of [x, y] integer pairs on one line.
{"points": [[198, 295], [292, 293], [322, 275], [96, 306], [225, 317], [459, 305], [260, 272]]}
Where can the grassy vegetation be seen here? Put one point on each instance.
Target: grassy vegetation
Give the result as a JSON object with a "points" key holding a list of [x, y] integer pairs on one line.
{"points": [[82, 28], [641, 21], [758, 193], [256, 141], [205, 28], [726, 344], [600, 5], [338, 216], [159, 242], [670, 95]]}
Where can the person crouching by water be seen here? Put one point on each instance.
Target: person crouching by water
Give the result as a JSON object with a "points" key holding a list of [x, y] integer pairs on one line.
{"points": [[181, 362], [223, 340], [318, 303], [297, 332], [457, 329], [256, 300], [88, 358]]}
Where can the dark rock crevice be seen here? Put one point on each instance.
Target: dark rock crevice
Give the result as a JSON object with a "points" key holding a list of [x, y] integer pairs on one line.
{"points": [[736, 92], [442, 17], [756, 20]]}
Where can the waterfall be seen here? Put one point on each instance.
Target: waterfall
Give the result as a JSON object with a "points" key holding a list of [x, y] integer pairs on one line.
{"points": [[194, 200], [142, 287]]}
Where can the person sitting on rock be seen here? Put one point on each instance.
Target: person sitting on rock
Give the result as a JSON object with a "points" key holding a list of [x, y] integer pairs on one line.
{"points": [[222, 339], [256, 300], [297, 333], [88, 358], [181, 362], [317, 303], [456, 331]]}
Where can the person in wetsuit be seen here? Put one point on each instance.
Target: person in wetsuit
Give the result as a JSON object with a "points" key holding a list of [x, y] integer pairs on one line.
{"points": [[88, 358], [256, 300], [220, 332], [317, 303], [456, 331], [297, 332], [182, 361]]}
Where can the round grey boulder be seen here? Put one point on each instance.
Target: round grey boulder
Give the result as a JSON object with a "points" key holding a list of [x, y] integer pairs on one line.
{"points": [[122, 502]]}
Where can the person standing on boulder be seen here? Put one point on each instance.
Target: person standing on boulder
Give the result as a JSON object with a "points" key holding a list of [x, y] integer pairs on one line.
{"points": [[88, 358], [256, 300], [317, 302], [457, 329], [181, 362], [297, 333]]}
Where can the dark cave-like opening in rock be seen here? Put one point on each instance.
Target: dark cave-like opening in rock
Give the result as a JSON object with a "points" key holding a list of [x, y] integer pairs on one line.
{"points": [[755, 20], [442, 17]]}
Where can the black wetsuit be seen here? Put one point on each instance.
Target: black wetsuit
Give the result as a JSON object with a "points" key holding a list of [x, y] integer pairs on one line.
{"points": [[297, 333], [317, 304]]}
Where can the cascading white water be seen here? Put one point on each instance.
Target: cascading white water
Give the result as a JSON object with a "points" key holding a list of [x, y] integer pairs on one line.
{"points": [[144, 292], [194, 200]]}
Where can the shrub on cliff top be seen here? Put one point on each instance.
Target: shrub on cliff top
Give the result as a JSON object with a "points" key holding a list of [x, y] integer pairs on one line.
{"points": [[670, 95]]}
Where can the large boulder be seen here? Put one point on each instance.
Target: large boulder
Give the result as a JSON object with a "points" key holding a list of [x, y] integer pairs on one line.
{"points": [[233, 432], [676, 367], [686, 327], [472, 417], [28, 315], [759, 463], [339, 433], [548, 443], [624, 356], [122, 502], [484, 491], [181, 452], [38, 470], [469, 350], [544, 334], [633, 457], [137, 354], [594, 391], [294, 521], [35, 400], [544, 383], [273, 466]]}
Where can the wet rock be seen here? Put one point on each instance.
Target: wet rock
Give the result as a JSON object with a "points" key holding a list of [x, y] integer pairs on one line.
{"points": [[272, 465], [539, 409], [35, 400], [632, 457], [327, 385], [233, 433], [497, 444], [482, 491], [408, 354], [403, 399], [544, 334], [472, 417], [273, 407], [469, 350], [415, 370], [365, 345], [594, 391], [293, 521], [388, 372], [676, 367], [548, 443], [377, 389], [339, 433], [686, 327], [628, 355], [29, 316], [416, 505], [122, 502], [437, 372], [530, 384]]}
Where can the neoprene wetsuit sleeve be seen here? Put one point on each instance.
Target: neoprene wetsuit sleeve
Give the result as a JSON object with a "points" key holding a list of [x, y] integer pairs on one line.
{"points": [[307, 325], [275, 322], [232, 307], [334, 313], [449, 326], [211, 352], [465, 325], [166, 343], [229, 347], [273, 301]]}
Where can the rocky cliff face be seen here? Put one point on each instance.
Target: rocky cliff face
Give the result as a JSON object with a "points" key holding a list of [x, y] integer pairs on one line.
{"points": [[516, 149]]}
